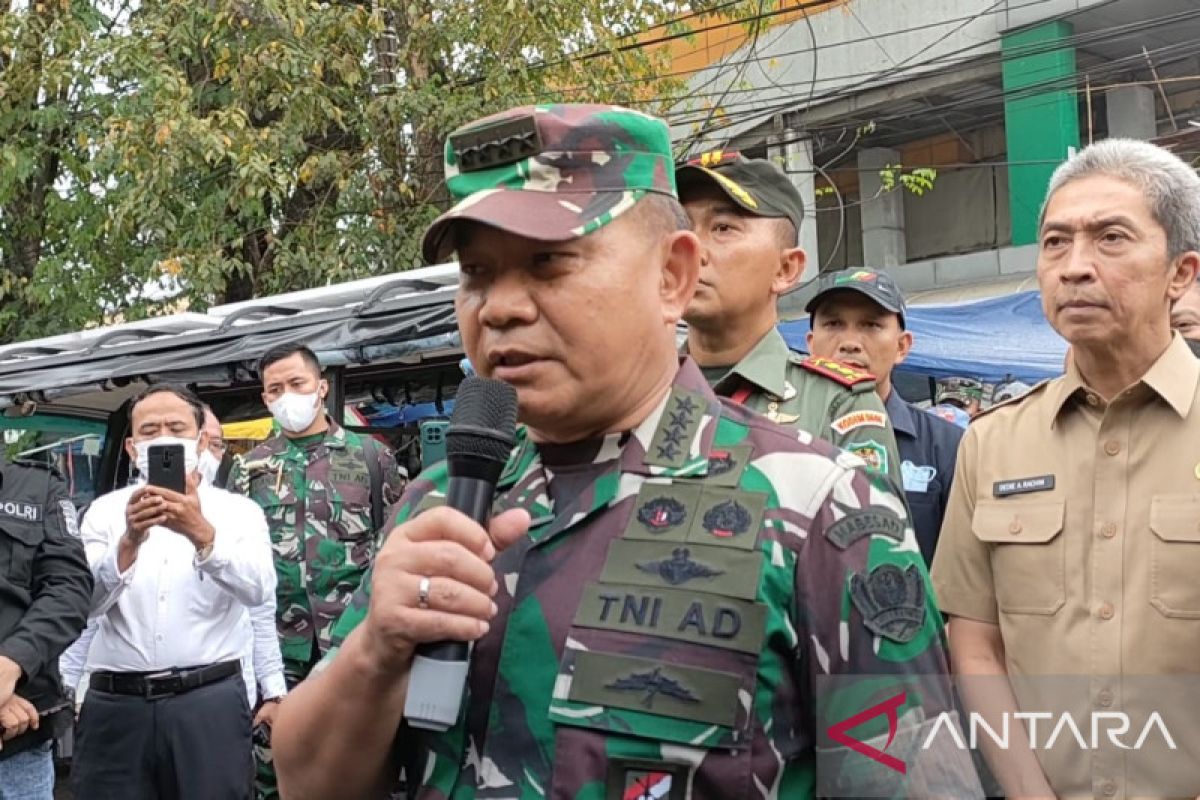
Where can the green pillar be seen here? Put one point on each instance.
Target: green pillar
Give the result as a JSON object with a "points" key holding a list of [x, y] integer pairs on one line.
{"points": [[1041, 117]]}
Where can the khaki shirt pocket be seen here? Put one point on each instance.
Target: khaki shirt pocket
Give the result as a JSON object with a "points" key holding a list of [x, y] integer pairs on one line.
{"points": [[1028, 557], [1175, 555]]}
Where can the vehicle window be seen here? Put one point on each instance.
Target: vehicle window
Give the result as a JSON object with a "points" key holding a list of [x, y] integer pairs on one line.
{"points": [[72, 445]]}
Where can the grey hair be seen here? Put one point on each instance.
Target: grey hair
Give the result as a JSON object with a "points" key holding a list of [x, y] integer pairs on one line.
{"points": [[1171, 187], [666, 211]]}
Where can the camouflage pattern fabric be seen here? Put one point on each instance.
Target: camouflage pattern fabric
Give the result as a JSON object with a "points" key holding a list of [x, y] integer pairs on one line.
{"points": [[316, 496], [664, 630], [317, 500], [964, 390], [552, 172]]}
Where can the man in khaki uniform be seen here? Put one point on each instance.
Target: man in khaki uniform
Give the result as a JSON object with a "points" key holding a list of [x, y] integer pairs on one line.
{"points": [[747, 214], [1070, 545]]}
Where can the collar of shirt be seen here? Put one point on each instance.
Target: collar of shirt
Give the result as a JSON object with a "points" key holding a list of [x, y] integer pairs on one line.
{"points": [[523, 476], [334, 438], [1173, 377], [765, 366], [901, 415]]}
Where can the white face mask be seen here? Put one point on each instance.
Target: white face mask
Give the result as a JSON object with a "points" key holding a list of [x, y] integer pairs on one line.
{"points": [[296, 412], [208, 465], [190, 458]]}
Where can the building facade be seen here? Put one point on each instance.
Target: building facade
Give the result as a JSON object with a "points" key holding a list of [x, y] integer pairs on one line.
{"points": [[857, 97]]}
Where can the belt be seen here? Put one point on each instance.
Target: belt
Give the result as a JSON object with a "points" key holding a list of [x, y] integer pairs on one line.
{"points": [[165, 683]]}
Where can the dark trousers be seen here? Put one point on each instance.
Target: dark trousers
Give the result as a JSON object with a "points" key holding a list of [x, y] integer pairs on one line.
{"points": [[190, 746]]}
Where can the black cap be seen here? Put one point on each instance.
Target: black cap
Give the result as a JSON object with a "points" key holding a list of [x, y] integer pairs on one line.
{"points": [[755, 184], [876, 285]]}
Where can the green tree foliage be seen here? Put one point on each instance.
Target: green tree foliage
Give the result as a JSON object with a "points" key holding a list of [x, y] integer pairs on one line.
{"points": [[223, 149]]}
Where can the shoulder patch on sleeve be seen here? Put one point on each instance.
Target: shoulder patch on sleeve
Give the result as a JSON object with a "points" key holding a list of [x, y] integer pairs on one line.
{"points": [[70, 517], [859, 419], [891, 601], [862, 523], [836, 371]]}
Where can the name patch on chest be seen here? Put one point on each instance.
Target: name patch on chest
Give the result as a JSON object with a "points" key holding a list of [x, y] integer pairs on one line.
{"points": [[675, 614], [1039, 483]]}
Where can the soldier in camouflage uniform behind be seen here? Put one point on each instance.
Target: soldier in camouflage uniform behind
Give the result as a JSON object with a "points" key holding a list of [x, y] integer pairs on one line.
{"points": [[323, 490], [747, 214], [668, 575]]}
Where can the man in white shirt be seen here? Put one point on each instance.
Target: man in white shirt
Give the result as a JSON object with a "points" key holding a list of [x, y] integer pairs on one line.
{"points": [[166, 714]]}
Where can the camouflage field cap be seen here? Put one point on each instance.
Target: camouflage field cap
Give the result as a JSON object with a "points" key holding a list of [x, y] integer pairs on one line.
{"points": [[959, 390], [552, 172]]}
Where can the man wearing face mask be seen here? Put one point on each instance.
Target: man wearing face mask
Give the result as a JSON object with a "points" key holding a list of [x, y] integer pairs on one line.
{"points": [[324, 490], [166, 714], [214, 465]]}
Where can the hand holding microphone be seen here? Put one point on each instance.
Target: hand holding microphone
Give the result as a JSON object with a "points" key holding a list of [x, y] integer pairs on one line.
{"points": [[433, 581]]}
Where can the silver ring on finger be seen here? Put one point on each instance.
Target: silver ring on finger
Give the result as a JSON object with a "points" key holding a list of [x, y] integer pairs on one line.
{"points": [[423, 593]]}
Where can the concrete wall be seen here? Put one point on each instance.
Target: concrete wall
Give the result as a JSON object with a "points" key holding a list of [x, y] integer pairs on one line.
{"points": [[967, 268], [967, 210], [849, 250], [987, 266]]}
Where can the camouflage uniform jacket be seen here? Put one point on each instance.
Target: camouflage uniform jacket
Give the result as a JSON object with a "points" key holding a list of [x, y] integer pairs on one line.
{"points": [[830, 400], [317, 501], [668, 624]]}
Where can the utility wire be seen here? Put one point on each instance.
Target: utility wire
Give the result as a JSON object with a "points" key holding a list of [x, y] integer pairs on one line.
{"points": [[788, 53], [1105, 35], [1169, 54]]}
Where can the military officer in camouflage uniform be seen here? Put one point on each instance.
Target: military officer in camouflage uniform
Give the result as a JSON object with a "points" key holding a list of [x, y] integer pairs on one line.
{"points": [[323, 490], [747, 214], [670, 579]]}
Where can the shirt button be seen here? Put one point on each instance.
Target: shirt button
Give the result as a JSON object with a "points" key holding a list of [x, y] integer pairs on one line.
{"points": [[1109, 530], [1104, 699], [1112, 447], [1109, 788], [1092, 400], [1014, 527], [1106, 611], [158, 638]]}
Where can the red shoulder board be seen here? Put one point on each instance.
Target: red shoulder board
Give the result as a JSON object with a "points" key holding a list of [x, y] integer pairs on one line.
{"points": [[836, 371]]}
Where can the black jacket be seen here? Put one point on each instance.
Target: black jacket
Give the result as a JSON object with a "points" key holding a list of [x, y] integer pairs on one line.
{"points": [[928, 453], [45, 584]]}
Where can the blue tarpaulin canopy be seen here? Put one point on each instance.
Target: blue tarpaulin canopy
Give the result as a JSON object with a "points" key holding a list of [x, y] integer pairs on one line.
{"points": [[991, 340]]}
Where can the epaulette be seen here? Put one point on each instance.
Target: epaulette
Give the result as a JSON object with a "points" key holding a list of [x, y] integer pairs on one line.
{"points": [[1037, 387], [836, 371]]}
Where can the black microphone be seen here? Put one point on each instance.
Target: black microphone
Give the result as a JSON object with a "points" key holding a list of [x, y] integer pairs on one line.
{"points": [[480, 437]]}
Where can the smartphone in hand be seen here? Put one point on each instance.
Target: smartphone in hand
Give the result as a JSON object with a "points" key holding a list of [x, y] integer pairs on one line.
{"points": [[167, 467]]}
